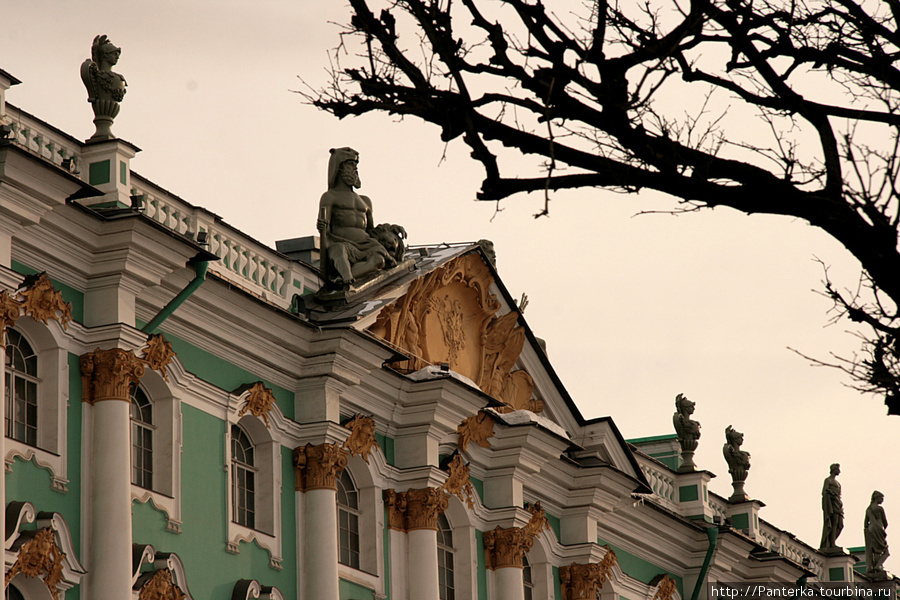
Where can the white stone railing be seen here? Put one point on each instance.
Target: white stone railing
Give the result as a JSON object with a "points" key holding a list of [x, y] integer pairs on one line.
{"points": [[662, 481], [43, 140], [718, 506], [788, 546], [243, 261]]}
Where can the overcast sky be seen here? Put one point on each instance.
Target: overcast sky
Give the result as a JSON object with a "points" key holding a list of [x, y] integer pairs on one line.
{"points": [[634, 309]]}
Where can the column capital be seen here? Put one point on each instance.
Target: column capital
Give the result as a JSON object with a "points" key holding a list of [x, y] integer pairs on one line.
{"points": [[109, 374], [506, 547], [415, 509], [317, 467], [584, 581], [10, 309]]}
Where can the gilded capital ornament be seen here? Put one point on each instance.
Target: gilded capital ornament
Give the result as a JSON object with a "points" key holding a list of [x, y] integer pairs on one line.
{"points": [[415, 509], [506, 547], [161, 587], [259, 402], [362, 440], [317, 467], [40, 556], [109, 374], [583, 582]]}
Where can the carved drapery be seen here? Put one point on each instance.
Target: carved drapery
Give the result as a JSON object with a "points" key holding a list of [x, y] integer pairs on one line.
{"points": [[506, 547], [477, 428], [362, 440], [415, 509], [450, 316], [259, 402], [161, 587], [40, 556], [109, 374], [582, 582], [317, 467], [458, 482]]}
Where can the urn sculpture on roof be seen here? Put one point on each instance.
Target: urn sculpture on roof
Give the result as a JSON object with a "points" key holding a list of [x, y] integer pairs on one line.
{"points": [[352, 247], [105, 88]]}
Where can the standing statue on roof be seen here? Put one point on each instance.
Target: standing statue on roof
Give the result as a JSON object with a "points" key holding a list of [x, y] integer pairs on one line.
{"points": [[352, 248], [832, 511], [688, 432], [104, 87], [875, 532]]}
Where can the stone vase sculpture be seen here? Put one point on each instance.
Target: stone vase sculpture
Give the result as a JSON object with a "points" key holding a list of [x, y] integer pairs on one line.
{"points": [[105, 88], [688, 432], [738, 463]]}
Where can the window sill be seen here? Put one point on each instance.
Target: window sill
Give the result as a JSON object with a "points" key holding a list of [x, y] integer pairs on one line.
{"points": [[42, 458]]}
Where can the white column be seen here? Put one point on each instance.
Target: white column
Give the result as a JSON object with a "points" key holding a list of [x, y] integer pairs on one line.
{"points": [[317, 468], [508, 584], [321, 545], [111, 536], [423, 564], [109, 375]]}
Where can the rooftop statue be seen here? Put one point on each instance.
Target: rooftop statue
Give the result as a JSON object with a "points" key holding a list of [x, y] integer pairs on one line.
{"points": [[738, 463], [876, 537], [688, 432], [832, 510], [104, 87], [352, 248]]}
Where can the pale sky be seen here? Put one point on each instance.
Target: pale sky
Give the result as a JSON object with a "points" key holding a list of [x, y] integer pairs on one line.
{"points": [[634, 309]]}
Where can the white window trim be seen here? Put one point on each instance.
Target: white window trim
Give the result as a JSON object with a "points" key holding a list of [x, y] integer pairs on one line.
{"points": [[47, 341], [371, 523], [267, 451], [166, 493]]}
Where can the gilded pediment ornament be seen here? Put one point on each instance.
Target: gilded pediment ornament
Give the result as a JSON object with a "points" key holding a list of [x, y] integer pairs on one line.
{"points": [[458, 483], [666, 589], [259, 402], [161, 587], [41, 301], [477, 428], [450, 316], [10, 309], [362, 440], [40, 556], [158, 353]]}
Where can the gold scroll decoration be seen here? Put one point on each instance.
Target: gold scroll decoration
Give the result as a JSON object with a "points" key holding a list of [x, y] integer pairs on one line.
{"points": [[259, 402], [583, 582], [506, 547], [415, 509], [161, 587], [40, 556], [666, 589], [317, 467], [362, 440], [41, 301], [10, 309], [458, 482], [477, 428], [449, 316], [158, 353]]}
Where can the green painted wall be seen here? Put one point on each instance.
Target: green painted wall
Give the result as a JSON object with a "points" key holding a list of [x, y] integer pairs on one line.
{"points": [[386, 540], [557, 585], [387, 447], [351, 591], [481, 573], [640, 569], [69, 294], [202, 541], [688, 493]]}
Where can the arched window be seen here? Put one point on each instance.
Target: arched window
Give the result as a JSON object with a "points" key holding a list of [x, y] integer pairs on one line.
{"points": [[141, 439], [527, 578], [348, 520], [21, 389], [243, 474], [446, 579], [13, 593]]}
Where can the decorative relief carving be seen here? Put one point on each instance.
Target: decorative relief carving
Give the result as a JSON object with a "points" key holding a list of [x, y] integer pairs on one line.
{"points": [[161, 587], [158, 354], [259, 402], [584, 581], [538, 522], [476, 429], [40, 556], [666, 589], [42, 301], [10, 309], [458, 483], [449, 316], [362, 440], [109, 374], [317, 467], [415, 509]]}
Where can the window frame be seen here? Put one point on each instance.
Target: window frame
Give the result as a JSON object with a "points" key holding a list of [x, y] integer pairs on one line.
{"points": [[145, 426], [243, 513], [446, 556], [353, 516], [29, 377]]}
